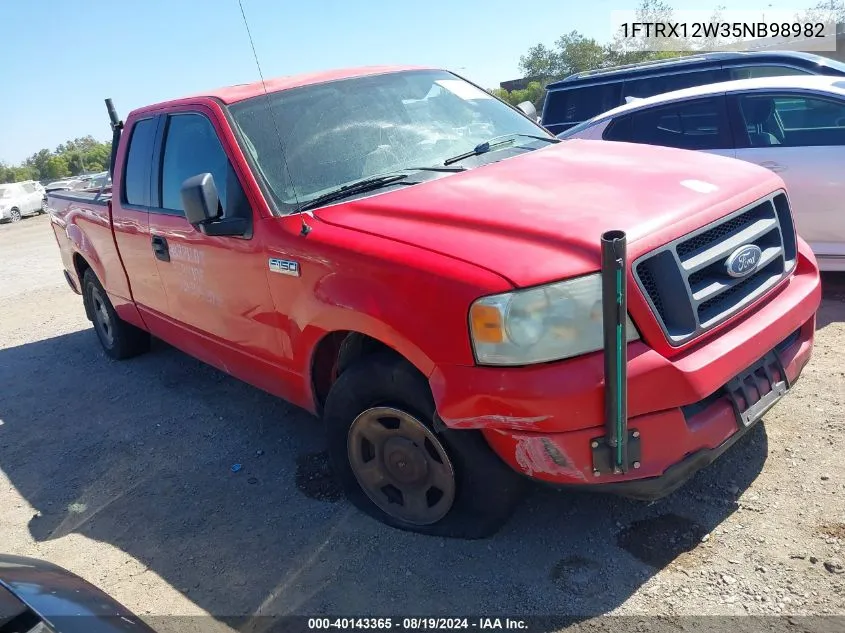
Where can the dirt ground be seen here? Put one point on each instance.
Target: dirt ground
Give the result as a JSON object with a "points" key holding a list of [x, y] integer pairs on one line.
{"points": [[121, 472]]}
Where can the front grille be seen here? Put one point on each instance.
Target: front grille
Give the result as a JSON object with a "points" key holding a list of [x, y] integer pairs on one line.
{"points": [[686, 281]]}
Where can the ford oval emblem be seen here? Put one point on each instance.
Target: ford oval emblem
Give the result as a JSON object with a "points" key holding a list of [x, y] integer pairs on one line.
{"points": [[744, 260]]}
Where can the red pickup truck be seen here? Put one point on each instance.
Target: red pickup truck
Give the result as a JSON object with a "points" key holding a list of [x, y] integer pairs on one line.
{"points": [[462, 297]]}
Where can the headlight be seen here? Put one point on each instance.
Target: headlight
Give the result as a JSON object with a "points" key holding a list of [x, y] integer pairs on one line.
{"points": [[540, 324]]}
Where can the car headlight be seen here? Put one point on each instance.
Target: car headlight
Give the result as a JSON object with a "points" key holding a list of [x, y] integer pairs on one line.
{"points": [[537, 325]]}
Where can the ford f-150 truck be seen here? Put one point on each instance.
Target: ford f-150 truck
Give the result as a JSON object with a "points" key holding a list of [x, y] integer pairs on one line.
{"points": [[462, 297]]}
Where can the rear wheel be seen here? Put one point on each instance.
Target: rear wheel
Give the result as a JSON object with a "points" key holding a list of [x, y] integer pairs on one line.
{"points": [[396, 466], [119, 339], [15, 215]]}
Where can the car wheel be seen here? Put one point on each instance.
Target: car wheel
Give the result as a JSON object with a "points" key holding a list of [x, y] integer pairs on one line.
{"points": [[397, 466], [15, 215], [119, 339]]}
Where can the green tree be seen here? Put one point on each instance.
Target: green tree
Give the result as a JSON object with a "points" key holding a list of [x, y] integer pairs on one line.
{"points": [[97, 157], [55, 167], [577, 53], [633, 50], [75, 162], [540, 61], [38, 162], [824, 9]]}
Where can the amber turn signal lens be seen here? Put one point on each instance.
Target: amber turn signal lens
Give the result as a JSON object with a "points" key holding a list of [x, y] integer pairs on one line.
{"points": [[486, 323]]}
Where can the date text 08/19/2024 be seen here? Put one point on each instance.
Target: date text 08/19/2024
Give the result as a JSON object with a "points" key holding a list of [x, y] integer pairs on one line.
{"points": [[416, 623]]}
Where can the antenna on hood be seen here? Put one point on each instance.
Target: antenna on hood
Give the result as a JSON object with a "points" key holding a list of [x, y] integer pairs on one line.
{"points": [[305, 230]]}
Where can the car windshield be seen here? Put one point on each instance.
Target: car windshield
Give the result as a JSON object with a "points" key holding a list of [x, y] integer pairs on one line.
{"points": [[339, 132]]}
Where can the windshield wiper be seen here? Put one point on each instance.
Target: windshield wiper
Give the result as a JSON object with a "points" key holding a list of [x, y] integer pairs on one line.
{"points": [[367, 184], [374, 182], [497, 141]]}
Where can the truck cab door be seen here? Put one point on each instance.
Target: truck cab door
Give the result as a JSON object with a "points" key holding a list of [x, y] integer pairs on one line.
{"points": [[130, 219], [219, 303]]}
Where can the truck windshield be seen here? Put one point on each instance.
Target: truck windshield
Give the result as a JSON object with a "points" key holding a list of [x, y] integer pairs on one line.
{"points": [[310, 140]]}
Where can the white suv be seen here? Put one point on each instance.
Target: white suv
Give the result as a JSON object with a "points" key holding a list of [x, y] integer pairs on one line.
{"points": [[19, 199]]}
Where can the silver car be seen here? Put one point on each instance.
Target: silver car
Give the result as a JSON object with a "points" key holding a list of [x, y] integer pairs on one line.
{"points": [[792, 125]]}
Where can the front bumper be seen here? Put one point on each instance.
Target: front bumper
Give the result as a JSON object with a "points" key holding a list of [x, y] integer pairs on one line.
{"points": [[541, 420]]}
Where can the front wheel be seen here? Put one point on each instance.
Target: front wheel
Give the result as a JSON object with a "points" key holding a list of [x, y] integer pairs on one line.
{"points": [[119, 339], [395, 466], [15, 215]]}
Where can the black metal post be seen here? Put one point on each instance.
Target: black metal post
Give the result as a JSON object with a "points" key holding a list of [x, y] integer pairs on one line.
{"points": [[615, 318], [116, 127]]}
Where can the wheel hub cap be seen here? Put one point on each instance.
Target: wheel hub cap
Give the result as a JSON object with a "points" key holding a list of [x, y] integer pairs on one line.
{"points": [[401, 465], [102, 322], [404, 461]]}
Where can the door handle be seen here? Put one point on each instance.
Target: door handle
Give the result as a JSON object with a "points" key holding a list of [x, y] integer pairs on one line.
{"points": [[160, 248], [773, 166]]}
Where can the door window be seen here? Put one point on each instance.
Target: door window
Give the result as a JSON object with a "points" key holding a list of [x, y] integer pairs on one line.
{"points": [[618, 130], [190, 148], [697, 125], [792, 120], [28, 187]]}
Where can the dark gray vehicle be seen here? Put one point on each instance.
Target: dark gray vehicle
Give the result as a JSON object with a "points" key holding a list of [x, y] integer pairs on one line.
{"points": [[584, 95], [39, 597]]}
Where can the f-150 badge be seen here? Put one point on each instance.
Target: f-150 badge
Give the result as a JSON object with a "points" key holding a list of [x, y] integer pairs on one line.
{"points": [[284, 266]]}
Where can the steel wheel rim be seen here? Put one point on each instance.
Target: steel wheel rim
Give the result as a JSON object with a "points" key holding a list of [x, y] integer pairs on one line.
{"points": [[16, 216], [102, 320], [401, 465]]}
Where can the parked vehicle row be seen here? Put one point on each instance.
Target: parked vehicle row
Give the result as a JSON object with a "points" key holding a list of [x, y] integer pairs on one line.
{"points": [[87, 182], [462, 297], [20, 199], [794, 126], [582, 96]]}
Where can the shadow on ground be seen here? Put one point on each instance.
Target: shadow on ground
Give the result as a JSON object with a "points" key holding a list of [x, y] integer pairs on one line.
{"points": [[833, 299], [139, 454]]}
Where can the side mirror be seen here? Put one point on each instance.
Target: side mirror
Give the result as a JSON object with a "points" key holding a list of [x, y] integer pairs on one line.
{"points": [[200, 199], [528, 110]]}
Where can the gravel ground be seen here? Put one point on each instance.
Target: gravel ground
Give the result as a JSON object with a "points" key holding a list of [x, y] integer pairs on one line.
{"points": [[121, 472]]}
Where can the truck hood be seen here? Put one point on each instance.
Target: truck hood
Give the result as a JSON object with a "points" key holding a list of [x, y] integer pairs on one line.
{"points": [[537, 217]]}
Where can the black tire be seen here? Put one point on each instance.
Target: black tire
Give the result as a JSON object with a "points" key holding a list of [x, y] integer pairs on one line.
{"points": [[15, 215], [119, 339], [485, 489]]}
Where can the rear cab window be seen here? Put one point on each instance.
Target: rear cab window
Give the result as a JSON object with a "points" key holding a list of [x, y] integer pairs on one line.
{"points": [[136, 171]]}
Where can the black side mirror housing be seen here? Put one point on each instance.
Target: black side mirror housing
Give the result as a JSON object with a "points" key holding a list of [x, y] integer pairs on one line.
{"points": [[204, 211], [200, 199]]}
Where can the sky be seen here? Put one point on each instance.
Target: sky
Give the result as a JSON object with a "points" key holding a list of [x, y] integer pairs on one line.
{"points": [[61, 58]]}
